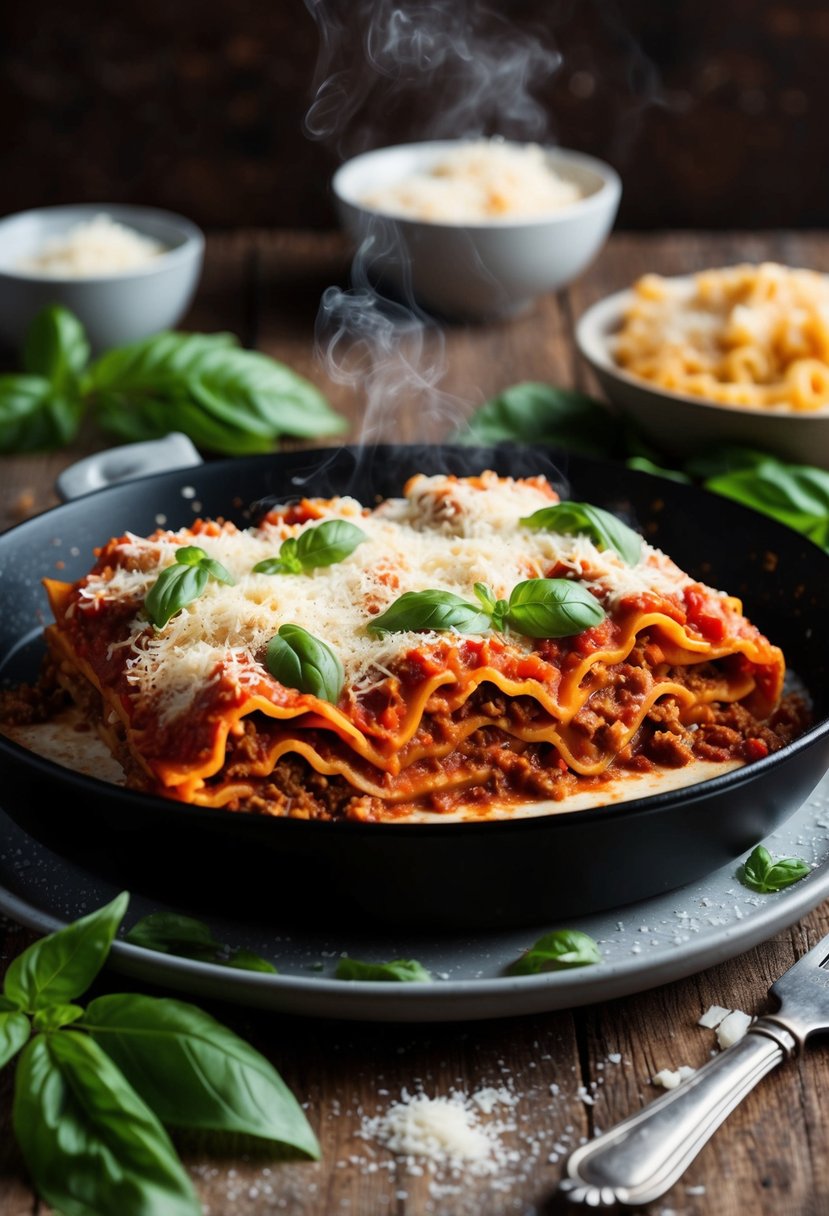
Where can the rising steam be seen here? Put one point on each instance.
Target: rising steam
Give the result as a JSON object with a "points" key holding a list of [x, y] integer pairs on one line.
{"points": [[463, 66]]}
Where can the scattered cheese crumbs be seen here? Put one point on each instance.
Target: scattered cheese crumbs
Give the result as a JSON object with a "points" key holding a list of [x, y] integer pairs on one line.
{"points": [[614, 1057], [733, 1028], [712, 1017], [445, 1131], [670, 1079]]}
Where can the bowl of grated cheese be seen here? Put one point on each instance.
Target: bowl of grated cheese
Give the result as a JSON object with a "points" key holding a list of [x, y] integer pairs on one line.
{"points": [[475, 228], [125, 271]]}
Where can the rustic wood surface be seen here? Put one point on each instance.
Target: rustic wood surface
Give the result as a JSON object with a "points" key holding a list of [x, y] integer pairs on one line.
{"points": [[771, 1156]]}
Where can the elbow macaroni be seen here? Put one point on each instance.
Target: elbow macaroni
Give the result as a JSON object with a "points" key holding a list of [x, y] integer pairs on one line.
{"points": [[742, 336]]}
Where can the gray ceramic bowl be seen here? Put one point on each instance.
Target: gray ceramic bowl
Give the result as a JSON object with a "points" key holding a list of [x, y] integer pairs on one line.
{"points": [[680, 424], [475, 270], [115, 308]]}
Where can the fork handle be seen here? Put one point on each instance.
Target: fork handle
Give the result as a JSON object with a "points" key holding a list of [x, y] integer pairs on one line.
{"points": [[643, 1156]]}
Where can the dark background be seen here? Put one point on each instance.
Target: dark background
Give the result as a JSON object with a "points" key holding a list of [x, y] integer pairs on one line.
{"points": [[716, 114]]}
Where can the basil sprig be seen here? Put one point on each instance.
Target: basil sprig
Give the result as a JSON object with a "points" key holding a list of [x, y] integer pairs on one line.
{"points": [[537, 608], [96, 1088], [604, 529], [299, 660], [172, 933], [324, 545], [762, 873], [228, 400], [558, 951], [178, 585], [438, 610], [400, 970]]}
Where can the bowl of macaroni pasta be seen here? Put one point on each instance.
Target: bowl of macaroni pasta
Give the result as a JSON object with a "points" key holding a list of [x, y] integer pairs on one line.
{"points": [[737, 354]]}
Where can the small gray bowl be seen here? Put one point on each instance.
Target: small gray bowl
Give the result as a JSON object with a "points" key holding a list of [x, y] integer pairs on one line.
{"points": [[481, 269], [115, 308]]}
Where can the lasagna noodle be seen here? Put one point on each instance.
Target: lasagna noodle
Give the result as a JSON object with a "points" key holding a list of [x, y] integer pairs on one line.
{"points": [[384, 738]]}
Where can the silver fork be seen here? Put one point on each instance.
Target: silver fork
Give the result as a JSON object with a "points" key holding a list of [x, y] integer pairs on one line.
{"points": [[643, 1156]]}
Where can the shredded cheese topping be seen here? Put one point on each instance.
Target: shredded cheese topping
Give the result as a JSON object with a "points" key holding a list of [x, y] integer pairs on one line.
{"points": [[445, 534]]}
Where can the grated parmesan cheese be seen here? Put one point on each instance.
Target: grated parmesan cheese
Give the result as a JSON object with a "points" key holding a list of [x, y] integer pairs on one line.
{"points": [[481, 179], [445, 1131], [444, 534], [99, 246], [672, 1078]]}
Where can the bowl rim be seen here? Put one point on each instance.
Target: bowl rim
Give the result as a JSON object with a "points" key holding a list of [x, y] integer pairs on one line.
{"points": [[598, 322], [606, 197], [192, 246]]}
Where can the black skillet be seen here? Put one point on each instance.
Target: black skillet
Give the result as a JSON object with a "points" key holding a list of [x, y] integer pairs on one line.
{"points": [[539, 870]]}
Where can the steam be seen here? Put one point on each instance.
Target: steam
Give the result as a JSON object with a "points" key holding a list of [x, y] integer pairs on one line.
{"points": [[466, 69], [444, 69], [389, 351]]}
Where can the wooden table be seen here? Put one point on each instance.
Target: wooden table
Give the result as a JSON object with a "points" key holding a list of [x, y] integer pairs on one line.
{"points": [[771, 1156]]}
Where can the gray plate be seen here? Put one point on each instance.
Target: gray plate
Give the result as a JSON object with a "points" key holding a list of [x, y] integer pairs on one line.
{"points": [[643, 944]]}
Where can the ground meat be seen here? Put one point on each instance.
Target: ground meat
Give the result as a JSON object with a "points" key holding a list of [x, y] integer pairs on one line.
{"points": [[26, 704]]}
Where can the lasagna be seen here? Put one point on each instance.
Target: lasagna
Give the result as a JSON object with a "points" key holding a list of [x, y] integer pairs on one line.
{"points": [[474, 643]]}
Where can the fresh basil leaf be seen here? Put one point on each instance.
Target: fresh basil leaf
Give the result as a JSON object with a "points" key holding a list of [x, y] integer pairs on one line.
{"points": [[90, 1143], [541, 413], [194, 1072], [56, 347], [34, 416], [55, 1016], [299, 660], [246, 960], [724, 458], [175, 588], [7, 1006], [182, 583], [328, 543], [226, 399], [643, 464], [797, 495], [401, 970], [431, 609], [15, 1029], [60, 967], [324, 545], [762, 873], [172, 933], [552, 608], [557, 951], [603, 528], [487, 598]]}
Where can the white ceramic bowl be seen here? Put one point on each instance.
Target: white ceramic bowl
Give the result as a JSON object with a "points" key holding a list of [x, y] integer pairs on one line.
{"points": [[115, 308], [474, 270], [681, 424]]}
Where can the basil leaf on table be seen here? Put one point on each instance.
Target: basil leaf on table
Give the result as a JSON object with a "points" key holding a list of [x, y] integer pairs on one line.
{"points": [[763, 874], [299, 660], [558, 951], [194, 1072], [227, 399], [400, 970], [172, 933], [324, 545], [89, 1141], [60, 967], [34, 417], [552, 608], [431, 609], [797, 495], [603, 528], [15, 1029], [533, 412], [181, 583], [56, 347]]}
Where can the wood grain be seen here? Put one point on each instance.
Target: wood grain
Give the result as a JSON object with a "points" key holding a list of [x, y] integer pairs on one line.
{"points": [[770, 1156]]}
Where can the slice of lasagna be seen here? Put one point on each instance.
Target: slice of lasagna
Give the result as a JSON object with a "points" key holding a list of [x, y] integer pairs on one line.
{"points": [[473, 643]]}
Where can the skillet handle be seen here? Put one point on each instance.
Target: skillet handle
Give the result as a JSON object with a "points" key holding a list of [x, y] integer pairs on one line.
{"points": [[174, 451]]}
